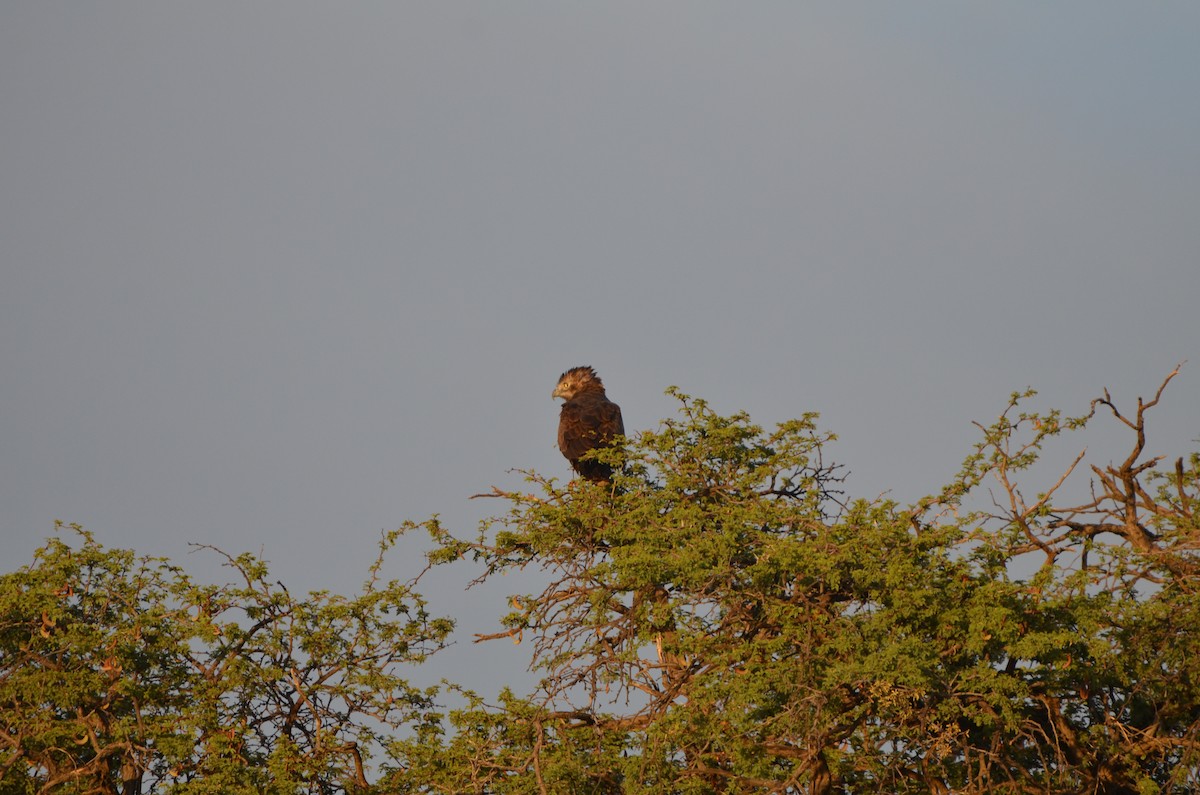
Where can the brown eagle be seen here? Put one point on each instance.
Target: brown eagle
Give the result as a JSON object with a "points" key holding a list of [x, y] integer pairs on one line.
{"points": [[588, 420]]}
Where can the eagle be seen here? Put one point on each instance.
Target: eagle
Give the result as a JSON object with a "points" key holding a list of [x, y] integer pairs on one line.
{"points": [[588, 420]]}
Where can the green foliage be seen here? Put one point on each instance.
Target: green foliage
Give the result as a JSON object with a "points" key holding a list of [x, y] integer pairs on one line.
{"points": [[720, 617], [119, 674]]}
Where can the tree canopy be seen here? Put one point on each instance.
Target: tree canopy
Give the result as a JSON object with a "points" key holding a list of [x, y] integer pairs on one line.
{"points": [[720, 616], [118, 674]]}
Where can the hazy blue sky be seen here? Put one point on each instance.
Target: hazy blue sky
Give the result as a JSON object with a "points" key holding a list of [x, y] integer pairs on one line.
{"points": [[278, 276]]}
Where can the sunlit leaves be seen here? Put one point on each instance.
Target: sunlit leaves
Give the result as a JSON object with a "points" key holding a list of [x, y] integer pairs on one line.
{"points": [[719, 617], [729, 622], [116, 668]]}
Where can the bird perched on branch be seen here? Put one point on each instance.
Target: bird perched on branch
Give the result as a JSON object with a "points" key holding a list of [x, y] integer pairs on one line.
{"points": [[588, 420]]}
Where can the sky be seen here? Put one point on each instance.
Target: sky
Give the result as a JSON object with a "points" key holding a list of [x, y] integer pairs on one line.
{"points": [[277, 277]]}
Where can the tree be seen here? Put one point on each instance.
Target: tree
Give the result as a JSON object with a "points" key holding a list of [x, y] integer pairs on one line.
{"points": [[118, 674], [720, 618]]}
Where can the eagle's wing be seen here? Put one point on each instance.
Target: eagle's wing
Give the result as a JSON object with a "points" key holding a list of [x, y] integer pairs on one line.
{"points": [[586, 422]]}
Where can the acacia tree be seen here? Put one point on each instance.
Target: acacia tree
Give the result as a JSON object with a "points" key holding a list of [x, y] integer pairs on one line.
{"points": [[719, 618], [119, 674]]}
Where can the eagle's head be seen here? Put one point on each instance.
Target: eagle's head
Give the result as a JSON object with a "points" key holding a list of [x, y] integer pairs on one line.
{"points": [[576, 380]]}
